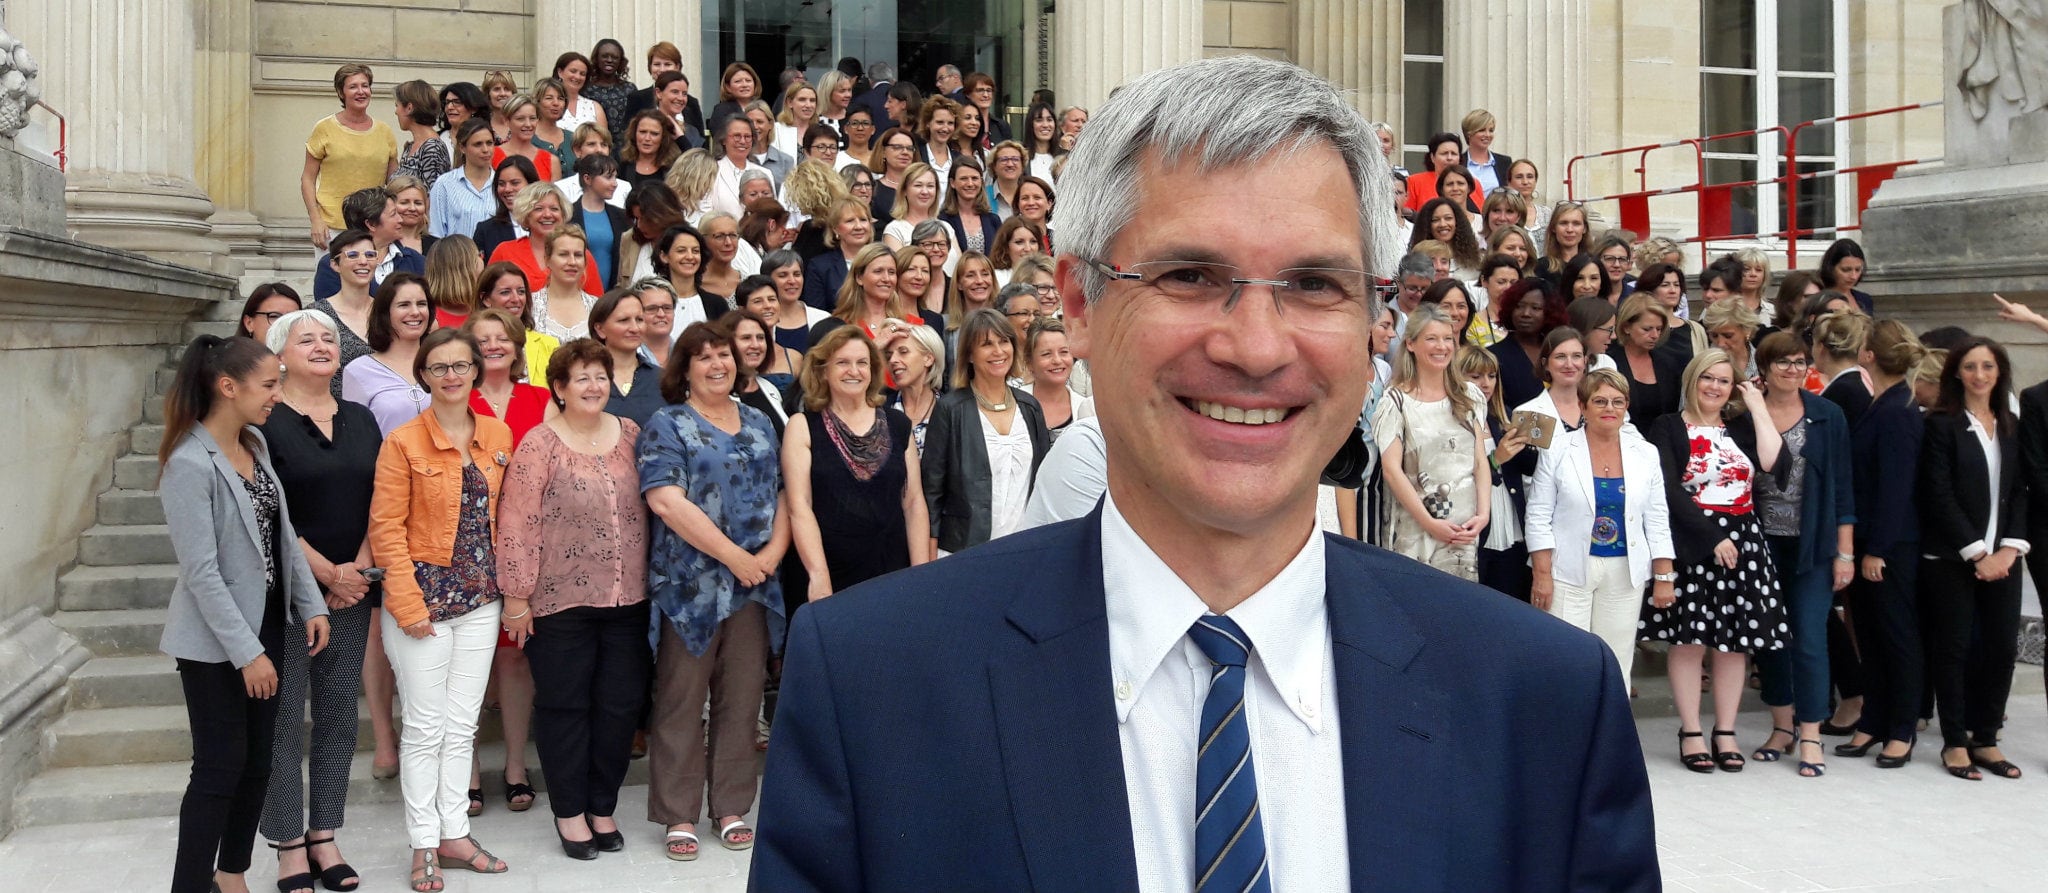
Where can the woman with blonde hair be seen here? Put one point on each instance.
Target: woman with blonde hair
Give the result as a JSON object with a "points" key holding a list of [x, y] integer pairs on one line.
{"points": [[1503, 556], [974, 288], [835, 90], [1563, 239], [552, 98], [522, 119], [410, 200], [1503, 208], [1841, 351], [1432, 451], [1652, 374], [850, 229], [1756, 275], [1731, 328], [869, 296], [811, 191], [916, 202], [542, 209], [453, 267], [692, 176], [799, 111], [914, 280], [1514, 242], [499, 87]]}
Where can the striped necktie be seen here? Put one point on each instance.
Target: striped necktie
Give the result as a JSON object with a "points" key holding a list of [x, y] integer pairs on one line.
{"points": [[1230, 838]]}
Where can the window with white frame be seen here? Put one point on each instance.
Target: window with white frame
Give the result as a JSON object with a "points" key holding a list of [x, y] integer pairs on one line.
{"points": [[1422, 78], [1766, 63]]}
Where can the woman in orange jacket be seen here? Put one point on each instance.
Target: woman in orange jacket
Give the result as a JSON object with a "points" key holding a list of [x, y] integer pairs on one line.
{"points": [[438, 479]]}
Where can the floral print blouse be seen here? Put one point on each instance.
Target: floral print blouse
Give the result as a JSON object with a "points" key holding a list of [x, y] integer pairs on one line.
{"points": [[572, 528], [734, 479], [470, 580]]}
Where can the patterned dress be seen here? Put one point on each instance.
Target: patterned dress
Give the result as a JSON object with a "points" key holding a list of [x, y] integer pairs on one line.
{"points": [[1443, 446], [1734, 610], [734, 479], [470, 581]]}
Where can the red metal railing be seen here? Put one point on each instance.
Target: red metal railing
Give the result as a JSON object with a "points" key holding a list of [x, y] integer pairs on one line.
{"points": [[1868, 177], [1715, 202], [63, 135]]}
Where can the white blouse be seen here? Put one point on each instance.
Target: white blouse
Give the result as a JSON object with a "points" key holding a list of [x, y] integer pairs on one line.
{"points": [[548, 324], [1009, 466], [583, 112]]}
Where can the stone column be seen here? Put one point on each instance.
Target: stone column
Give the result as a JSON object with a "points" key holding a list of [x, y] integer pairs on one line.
{"points": [[1356, 45], [121, 73], [1100, 44], [563, 25], [1531, 90], [224, 35]]}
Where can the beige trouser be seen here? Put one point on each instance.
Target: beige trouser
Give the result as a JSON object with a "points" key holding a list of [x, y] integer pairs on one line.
{"points": [[732, 672]]}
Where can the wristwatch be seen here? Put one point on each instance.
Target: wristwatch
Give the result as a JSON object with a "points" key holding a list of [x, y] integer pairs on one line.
{"points": [[1665, 578]]}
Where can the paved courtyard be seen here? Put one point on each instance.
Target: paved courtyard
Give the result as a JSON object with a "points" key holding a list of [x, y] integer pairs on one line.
{"points": [[1859, 828]]}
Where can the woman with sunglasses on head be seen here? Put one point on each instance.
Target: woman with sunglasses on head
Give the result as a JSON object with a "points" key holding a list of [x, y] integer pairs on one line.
{"points": [[1809, 523]]}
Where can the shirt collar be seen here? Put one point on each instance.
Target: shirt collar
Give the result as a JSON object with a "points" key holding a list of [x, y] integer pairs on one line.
{"points": [[1150, 609]]}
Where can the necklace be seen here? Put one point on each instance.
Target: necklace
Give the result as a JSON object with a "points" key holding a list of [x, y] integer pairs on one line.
{"points": [[591, 437], [985, 404], [731, 411], [318, 420]]}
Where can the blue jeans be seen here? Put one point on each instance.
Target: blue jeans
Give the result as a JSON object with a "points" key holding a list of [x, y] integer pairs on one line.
{"points": [[1798, 675]]}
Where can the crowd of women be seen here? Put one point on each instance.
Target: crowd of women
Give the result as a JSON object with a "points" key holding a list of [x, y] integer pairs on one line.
{"points": [[592, 394], [567, 436], [1698, 464]]}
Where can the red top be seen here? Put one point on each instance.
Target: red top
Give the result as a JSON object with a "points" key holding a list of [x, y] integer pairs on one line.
{"points": [[519, 252], [528, 407], [1422, 188], [543, 161], [443, 319]]}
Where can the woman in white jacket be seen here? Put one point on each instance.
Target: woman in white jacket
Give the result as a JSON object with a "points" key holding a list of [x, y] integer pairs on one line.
{"points": [[1598, 526]]}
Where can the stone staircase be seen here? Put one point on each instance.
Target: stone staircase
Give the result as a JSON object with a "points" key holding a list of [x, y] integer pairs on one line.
{"points": [[122, 749]]}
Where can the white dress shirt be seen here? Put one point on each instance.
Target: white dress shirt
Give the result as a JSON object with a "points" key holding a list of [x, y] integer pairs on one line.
{"points": [[1161, 678], [1992, 460]]}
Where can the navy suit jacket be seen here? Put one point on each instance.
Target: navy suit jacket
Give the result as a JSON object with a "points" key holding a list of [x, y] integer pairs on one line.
{"points": [[952, 727], [327, 283]]}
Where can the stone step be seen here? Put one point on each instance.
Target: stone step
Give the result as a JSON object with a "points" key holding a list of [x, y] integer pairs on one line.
{"points": [[114, 633], [153, 410], [150, 790], [136, 471], [116, 588], [125, 507], [145, 438], [139, 681], [159, 732], [161, 383], [104, 546]]}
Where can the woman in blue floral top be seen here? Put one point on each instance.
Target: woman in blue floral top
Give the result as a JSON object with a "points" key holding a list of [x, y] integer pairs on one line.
{"points": [[711, 470]]}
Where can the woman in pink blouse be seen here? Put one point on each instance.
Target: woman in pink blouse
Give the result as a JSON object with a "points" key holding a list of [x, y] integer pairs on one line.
{"points": [[572, 563]]}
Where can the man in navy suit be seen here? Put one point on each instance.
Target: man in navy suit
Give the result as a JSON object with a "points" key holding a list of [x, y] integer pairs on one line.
{"points": [[1191, 688]]}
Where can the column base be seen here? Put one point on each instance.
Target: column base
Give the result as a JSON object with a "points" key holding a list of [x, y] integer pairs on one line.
{"points": [[163, 217]]}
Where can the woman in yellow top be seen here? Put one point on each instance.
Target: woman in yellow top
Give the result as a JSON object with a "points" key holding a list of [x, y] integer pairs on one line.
{"points": [[349, 150]]}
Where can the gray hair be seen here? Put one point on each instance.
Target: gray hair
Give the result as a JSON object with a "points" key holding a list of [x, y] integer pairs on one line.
{"points": [[645, 283], [948, 69], [1220, 113], [1415, 263], [1015, 290], [704, 222], [881, 71], [281, 331], [929, 228], [748, 176], [928, 341]]}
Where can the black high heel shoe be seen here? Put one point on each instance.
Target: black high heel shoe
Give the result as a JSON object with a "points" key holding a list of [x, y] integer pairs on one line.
{"points": [[1812, 770], [2000, 768], [608, 841], [1856, 750], [1891, 762], [1769, 754], [1697, 762], [334, 877], [301, 881], [580, 850], [1728, 760]]}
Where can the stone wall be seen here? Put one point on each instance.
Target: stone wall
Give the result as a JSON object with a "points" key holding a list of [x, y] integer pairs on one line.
{"points": [[1258, 27]]}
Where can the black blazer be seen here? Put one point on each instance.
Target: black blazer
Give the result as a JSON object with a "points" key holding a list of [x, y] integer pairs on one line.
{"points": [[1648, 402], [989, 224], [490, 233], [1518, 381], [1501, 165], [822, 277], [2034, 456], [1952, 464], [955, 466], [1693, 534], [1848, 393], [1884, 455], [643, 99]]}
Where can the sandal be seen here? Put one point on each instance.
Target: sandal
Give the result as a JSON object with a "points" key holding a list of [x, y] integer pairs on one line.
{"points": [[2000, 768], [514, 791], [339, 877], [1769, 754], [1697, 762], [1812, 770], [728, 835], [424, 878], [476, 802], [1728, 760], [492, 864], [1967, 771], [301, 881], [675, 839]]}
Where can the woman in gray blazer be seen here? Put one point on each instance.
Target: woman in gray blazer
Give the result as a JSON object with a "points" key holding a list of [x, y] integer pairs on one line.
{"points": [[241, 581]]}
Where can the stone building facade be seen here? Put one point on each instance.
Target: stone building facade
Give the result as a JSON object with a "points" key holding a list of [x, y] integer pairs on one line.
{"points": [[187, 117]]}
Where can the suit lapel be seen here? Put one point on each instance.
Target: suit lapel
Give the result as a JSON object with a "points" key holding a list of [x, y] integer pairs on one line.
{"points": [[1056, 723], [1395, 736], [235, 482]]}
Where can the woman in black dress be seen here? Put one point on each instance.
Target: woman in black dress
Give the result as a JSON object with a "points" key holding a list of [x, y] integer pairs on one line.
{"points": [[1652, 374], [855, 500]]}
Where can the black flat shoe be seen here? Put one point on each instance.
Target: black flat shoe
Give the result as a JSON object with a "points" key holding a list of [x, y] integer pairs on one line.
{"points": [[580, 850], [338, 877], [608, 841], [1728, 760], [1856, 750], [1697, 762]]}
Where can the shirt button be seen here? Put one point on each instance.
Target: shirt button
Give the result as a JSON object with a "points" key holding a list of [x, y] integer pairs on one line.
{"points": [[1123, 691]]}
